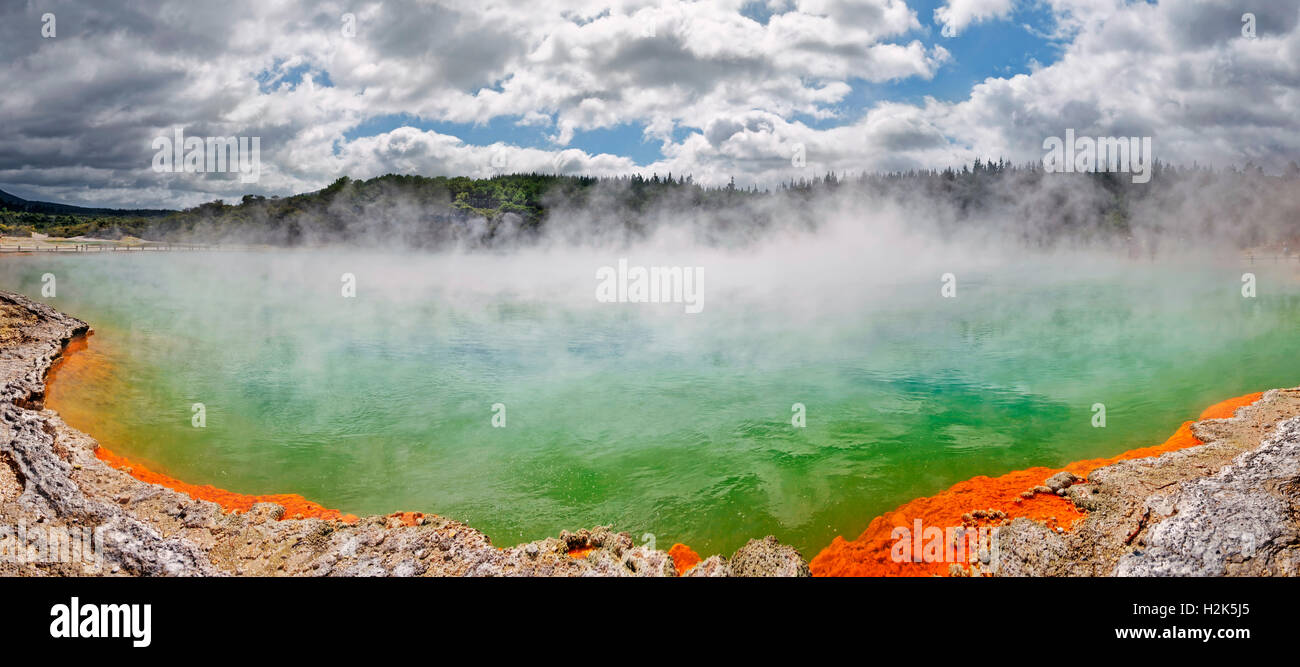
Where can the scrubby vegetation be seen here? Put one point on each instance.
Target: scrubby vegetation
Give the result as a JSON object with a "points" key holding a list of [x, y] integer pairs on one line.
{"points": [[1245, 206]]}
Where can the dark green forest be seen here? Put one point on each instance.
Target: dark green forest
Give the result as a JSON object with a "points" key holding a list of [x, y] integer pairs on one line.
{"points": [[1245, 206]]}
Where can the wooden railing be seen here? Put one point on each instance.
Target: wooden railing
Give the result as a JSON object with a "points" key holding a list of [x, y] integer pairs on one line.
{"points": [[106, 247]]}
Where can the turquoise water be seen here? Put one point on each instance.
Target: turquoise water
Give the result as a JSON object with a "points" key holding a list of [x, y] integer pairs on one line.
{"points": [[642, 416]]}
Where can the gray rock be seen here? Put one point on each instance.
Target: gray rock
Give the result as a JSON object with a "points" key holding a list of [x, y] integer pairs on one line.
{"points": [[713, 566], [1237, 521], [1061, 480], [768, 558]]}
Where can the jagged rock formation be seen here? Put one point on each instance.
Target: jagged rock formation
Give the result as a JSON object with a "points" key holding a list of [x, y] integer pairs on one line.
{"points": [[1228, 507], [1240, 520]]}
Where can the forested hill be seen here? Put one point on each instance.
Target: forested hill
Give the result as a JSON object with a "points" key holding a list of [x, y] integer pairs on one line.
{"points": [[1245, 206], [16, 204]]}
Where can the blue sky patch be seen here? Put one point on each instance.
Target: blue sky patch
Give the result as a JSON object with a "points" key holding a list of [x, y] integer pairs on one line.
{"points": [[992, 48], [271, 79]]}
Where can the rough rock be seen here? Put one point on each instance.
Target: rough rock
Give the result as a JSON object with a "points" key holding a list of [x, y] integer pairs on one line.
{"points": [[768, 558], [1230, 506], [1060, 481], [1240, 520], [713, 566]]}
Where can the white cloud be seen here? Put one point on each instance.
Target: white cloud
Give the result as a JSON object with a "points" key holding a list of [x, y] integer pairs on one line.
{"points": [[1182, 74], [407, 150], [723, 95], [956, 15]]}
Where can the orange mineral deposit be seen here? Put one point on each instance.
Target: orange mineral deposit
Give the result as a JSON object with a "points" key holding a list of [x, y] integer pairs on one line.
{"points": [[77, 360], [684, 558], [869, 555]]}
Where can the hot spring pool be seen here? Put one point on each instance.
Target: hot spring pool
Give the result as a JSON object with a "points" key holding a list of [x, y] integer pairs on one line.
{"points": [[659, 422]]}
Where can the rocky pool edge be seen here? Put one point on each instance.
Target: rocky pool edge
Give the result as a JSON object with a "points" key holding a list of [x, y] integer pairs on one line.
{"points": [[52, 483], [1222, 508]]}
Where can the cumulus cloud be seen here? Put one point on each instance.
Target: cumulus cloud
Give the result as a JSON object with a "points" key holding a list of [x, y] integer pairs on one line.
{"points": [[1183, 74], [407, 150], [955, 15], [721, 93]]}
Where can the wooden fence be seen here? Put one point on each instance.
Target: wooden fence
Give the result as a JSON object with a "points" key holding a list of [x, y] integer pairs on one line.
{"points": [[105, 247]]}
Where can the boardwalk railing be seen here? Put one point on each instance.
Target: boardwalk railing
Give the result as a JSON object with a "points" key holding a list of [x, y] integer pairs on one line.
{"points": [[107, 247]]}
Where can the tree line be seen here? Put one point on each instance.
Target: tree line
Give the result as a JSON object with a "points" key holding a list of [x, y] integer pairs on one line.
{"points": [[1248, 205]]}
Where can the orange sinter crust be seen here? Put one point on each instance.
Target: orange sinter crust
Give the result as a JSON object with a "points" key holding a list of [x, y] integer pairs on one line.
{"points": [[295, 506], [870, 554], [684, 558]]}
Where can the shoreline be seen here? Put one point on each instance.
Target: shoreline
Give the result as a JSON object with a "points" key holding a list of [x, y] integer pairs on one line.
{"points": [[53, 475], [992, 502], [295, 505], [155, 524]]}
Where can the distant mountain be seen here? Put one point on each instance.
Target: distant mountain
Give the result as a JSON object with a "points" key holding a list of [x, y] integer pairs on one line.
{"points": [[10, 202]]}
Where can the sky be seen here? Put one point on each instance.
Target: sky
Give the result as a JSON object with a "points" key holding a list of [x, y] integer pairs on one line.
{"points": [[760, 91]]}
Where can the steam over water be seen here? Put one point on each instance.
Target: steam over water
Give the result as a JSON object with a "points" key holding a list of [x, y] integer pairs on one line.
{"points": [[642, 415]]}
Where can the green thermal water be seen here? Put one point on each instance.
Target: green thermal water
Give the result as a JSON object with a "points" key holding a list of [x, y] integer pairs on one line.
{"points": [[639, 415]]}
